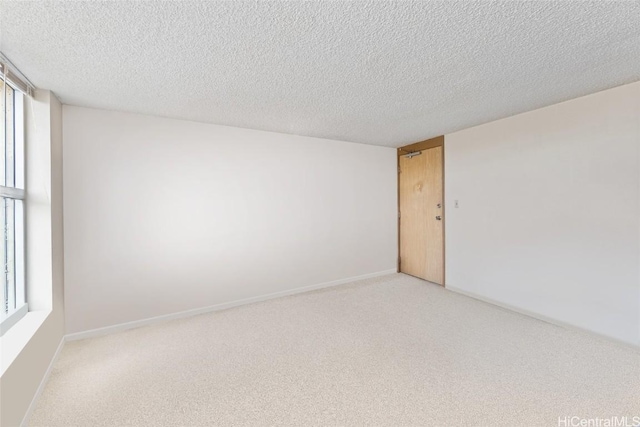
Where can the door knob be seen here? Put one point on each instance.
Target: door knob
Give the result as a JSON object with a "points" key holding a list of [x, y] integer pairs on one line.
{"points": [[439, 218]]}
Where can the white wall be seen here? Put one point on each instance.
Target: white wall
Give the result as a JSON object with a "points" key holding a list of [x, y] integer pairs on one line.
{"points": [[165, 215], [549, 215], [33, 341]]}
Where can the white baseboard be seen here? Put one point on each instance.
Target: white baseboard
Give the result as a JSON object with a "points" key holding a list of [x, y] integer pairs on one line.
{"points": [[223, 306], [542, 317], [43, 383]]}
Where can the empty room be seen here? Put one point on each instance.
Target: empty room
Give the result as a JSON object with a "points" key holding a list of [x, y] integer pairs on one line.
{"points": [[320, 213]]}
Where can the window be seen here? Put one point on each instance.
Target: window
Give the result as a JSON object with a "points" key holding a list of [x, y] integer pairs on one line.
{"points": [[12, 280]]}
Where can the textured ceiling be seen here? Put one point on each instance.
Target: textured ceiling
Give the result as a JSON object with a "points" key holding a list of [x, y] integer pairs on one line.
{"points": [[386, 73]]}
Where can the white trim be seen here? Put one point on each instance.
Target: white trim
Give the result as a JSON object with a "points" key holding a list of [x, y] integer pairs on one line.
{"points": [[542, 317], [11, 192], [43, 383], [13, 318], [223, 306]]}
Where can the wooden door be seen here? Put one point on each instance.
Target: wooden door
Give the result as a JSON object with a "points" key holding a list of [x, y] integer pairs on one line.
{"points": [[422, 215]]}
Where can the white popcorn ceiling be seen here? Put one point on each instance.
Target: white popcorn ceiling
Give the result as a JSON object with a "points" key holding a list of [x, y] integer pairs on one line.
{"points": [[384, 73]]}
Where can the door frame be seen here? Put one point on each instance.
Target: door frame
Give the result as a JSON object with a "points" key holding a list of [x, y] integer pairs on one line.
{"points": [[438, 141]]}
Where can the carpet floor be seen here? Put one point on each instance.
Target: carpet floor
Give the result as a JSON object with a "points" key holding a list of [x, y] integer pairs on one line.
{"points": [[389, 351]]}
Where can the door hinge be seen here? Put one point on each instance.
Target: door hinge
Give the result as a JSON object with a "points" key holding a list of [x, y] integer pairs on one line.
{"points": [[399, 170], [398, 214]]}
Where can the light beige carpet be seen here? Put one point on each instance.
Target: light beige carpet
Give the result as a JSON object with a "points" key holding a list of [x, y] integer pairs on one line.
{"points": [[388, 351]]}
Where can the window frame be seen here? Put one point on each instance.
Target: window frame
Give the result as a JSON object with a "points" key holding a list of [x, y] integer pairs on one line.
{"points": [[13, 292]]}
